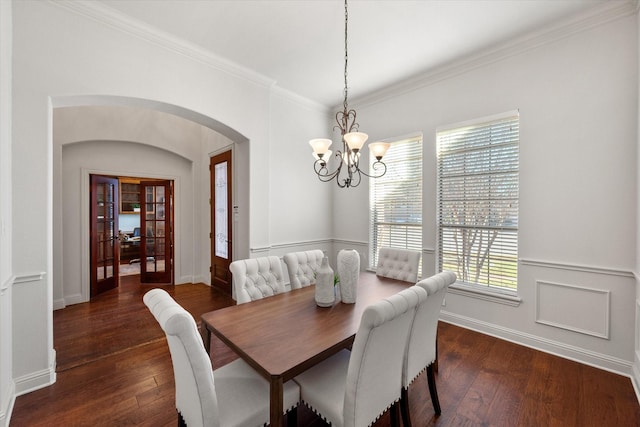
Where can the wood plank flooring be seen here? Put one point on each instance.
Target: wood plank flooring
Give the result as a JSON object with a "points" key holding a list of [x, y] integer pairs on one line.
{"points": [[114, 369]]}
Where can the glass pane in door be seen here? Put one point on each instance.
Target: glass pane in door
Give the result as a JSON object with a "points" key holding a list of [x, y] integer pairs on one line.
{"points": [[221, 240], [106, 230], [155, 226]]}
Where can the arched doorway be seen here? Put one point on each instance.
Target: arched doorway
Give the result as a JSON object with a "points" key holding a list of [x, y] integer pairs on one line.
{"points": [[102, 121]]}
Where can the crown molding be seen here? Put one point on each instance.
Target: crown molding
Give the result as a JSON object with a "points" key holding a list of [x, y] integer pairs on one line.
{"points": [[594, 17], [598, 15], [121, 22], [299, 99]]}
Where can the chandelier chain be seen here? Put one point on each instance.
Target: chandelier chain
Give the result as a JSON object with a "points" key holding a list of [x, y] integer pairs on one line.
{"points": [[346, 55]]}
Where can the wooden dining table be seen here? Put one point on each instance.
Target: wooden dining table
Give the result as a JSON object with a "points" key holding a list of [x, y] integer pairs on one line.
{"points": [[286, 334]]}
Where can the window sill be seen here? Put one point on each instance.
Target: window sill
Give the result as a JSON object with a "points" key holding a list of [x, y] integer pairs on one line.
{"points": [[496, 296]]}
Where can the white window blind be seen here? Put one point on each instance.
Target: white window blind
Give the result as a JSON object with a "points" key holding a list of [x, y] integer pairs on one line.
{"points": [[395, 200], [478, 174]]}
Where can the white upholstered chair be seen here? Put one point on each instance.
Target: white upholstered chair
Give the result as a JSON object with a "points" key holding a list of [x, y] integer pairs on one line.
{"points": [[401, 264], [421, 351], [233, 395], [302, 267], [352, 389], [256, 278]]}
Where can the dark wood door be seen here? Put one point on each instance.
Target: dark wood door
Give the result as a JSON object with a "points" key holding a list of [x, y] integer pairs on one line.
{"points": [[105, 249], [221, 221], [156, 226]]}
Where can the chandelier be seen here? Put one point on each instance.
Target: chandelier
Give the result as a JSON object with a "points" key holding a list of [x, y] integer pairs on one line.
{"points": [[347, 173]]}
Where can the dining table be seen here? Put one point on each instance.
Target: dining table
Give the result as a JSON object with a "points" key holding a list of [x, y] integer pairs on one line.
{"points": [[283, 335]]}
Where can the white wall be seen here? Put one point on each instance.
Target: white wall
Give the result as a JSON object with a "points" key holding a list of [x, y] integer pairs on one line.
{"points": [[299, 202], [577, 93], [63, 57], [6, 228]]}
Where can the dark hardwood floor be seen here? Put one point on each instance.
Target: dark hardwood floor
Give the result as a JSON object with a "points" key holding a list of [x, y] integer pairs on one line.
{"points": [[114, 369]]}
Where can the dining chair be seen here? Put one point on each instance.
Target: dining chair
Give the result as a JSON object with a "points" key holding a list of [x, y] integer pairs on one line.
{"points": [[422, 345], [302, 267], [256, 278], [401, 264], [354, 388], [232, 395]]}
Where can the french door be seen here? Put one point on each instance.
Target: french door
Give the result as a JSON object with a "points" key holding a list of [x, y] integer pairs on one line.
{"points": [[105, 248], [156, 237], [221, 225]]}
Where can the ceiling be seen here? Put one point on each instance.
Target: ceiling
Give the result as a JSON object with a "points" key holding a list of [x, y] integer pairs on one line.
{"points": [[299, 44]]}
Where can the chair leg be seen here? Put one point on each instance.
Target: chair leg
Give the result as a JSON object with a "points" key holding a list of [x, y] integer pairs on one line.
{"points": [[435, 362], [404, 407], [431, 380], [393, 414], [292, 417]]}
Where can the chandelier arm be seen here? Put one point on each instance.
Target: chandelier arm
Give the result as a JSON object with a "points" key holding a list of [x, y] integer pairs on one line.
{"points": [[356, 179], [320, 168], [375, 165]]}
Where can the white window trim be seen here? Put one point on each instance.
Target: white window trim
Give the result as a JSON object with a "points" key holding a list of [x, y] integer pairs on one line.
{"points": [[400, 139], [500, 296], [483, 292]]}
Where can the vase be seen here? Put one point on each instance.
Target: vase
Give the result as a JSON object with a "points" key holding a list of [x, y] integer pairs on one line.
{"points": [[348, 272], [325, 296]]}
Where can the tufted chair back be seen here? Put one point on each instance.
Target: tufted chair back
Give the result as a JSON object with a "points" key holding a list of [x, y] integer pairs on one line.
{"points": [[196, 399], [256, 278], [302, 267], [375, 365], [400, 264], [422, 345], [422, 351]]}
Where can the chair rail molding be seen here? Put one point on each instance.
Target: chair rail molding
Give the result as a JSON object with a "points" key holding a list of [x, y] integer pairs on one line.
{"points": [[260, 251], [7, 284], [577, 267], [350, 242], [300, 244], [28, 277]]}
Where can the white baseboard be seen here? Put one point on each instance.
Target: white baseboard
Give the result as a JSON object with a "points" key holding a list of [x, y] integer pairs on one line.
{"points": [[73, 299], [635, 380], [185, 279], [202, 279], [7, 404], [577, 354], [59, 304], [36, 380]]}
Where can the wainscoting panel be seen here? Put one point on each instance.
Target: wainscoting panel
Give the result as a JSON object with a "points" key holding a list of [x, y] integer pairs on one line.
{"points": [[574, 308]]}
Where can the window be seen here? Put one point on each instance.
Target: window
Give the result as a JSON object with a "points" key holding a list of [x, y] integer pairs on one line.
{"points": [[478, 168], [395, 200]]}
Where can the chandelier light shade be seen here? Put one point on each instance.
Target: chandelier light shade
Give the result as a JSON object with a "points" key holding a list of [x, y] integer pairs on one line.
{"points": [[347, 172], [320, 146]]}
